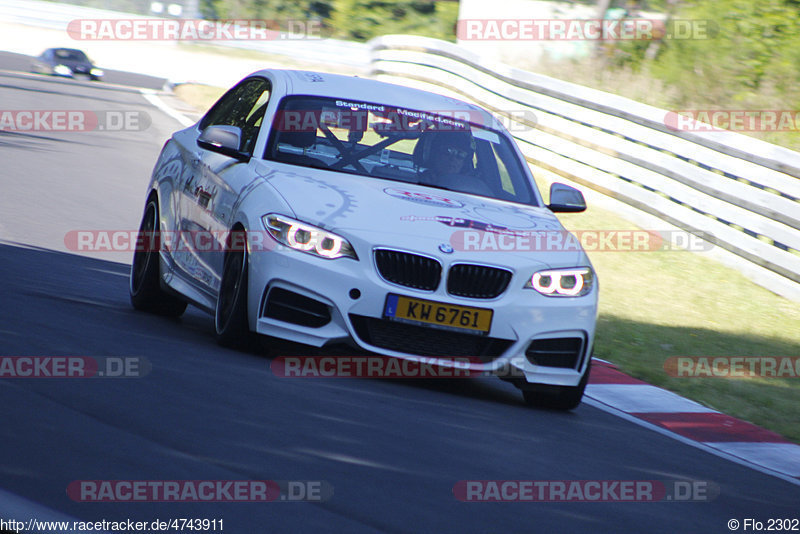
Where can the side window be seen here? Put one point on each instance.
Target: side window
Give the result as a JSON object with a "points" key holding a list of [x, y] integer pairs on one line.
{"points": [[243, 107]]}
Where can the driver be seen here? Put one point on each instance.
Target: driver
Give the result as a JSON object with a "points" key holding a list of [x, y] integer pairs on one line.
{"points": [[450, 152], [448, 161]]}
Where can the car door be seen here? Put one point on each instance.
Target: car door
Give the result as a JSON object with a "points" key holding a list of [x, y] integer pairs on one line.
{"points": [[215, 182]]}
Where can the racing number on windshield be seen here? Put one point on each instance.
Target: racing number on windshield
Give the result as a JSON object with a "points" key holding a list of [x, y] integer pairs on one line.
{"points": [[441, 314]]}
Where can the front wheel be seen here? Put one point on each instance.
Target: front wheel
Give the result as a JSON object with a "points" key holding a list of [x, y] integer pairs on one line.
{"points": [[230, 317], [145, 286], [558, 397]]}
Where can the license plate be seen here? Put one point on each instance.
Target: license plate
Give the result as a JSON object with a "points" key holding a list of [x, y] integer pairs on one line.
{"points": [[449, 316]]}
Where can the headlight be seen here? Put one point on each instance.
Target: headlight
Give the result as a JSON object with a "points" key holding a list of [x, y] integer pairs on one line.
{"points": [[96, 72], [63, 70], [574, 282], [306, 238]]}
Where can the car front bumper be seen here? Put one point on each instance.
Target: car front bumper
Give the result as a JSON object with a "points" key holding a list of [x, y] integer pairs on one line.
{"points": [[354, 295]]}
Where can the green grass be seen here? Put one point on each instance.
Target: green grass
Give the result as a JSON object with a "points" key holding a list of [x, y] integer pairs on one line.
{"points": [[201, 97], [657, 305]]}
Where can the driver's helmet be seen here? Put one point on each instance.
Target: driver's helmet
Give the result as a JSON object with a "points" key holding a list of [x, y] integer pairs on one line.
{"points": [[445, 148]]}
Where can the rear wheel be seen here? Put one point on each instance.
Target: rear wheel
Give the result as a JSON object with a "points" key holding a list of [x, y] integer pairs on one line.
{"points": [[230, 317], [145, 286], [558, 397]]}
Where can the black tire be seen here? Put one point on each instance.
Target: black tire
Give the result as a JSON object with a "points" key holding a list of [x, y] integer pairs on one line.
{"points": [[558, 397], [230, 316], [145, 285]]}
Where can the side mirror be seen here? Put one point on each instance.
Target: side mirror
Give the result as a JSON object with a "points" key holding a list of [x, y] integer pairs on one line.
{"points": [[566, 199], [224, 140]]}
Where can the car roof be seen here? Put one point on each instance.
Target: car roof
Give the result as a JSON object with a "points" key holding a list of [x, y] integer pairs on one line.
{"points": [[354, 88]]}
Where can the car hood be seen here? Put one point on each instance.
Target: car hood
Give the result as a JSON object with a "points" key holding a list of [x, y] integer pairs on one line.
{"points": [[382, 212]]}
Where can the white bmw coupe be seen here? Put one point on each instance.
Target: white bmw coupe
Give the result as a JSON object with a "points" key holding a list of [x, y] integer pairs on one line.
{"points": [[327, 209]]}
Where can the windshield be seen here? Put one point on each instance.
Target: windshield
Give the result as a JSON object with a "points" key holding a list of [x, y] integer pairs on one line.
{"points": [[69, 54], [437, 149]]}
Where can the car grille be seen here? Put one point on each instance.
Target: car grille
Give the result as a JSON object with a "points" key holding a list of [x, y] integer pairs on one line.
{"points": [[425, 341], [477, 281], [410, 270], [563, 352]]}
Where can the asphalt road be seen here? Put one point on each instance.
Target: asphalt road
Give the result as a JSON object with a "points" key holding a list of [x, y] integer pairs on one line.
{"points": [[392, 451], [22, 63]]}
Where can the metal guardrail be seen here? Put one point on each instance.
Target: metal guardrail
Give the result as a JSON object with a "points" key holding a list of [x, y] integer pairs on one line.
{"points": [[742, 191]]}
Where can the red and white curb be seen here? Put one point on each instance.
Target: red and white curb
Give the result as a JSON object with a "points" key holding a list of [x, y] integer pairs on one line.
{"points": [[690, 422]]}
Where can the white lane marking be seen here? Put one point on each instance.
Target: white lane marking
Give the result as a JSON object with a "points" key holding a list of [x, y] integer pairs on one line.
{"points": [[151, 96], [116, 273], [707, 447], [783, 457], [643, 398], [347, 459]]}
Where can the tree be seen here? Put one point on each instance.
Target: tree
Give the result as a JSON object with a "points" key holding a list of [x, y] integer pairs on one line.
{"points": [[364, 19], [755, 43], [280, 10]]}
